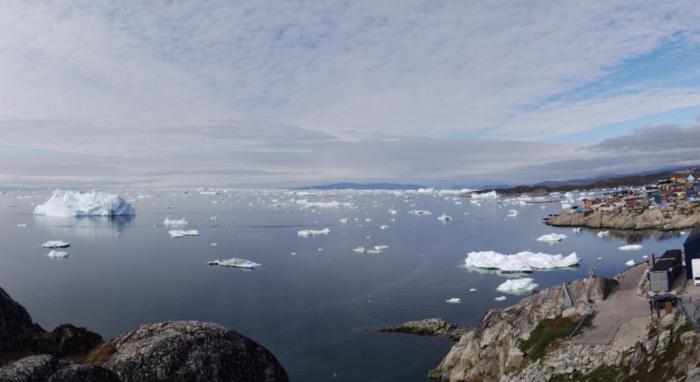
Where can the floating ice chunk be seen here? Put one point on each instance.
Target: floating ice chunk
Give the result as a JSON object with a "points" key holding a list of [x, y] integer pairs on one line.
{"points": [[383, 227], [603, 234], [420, 212], [566, 206], [630, 247], [444, 218], [377, 249], [56, 244], [313, 232], [54, 254], [21, 225], [393, 211], [178, 233], [472, 289], [235, 263], [525, 261], [368, 220], [600, 258], [576, 230], [82, 203], [343, 220], [645, 257], [213, 218], [454, 300], [517, 286], [303, 203], [552, 237], [683, 233], [485, 195], [168, 222], [630, 263], [500, 298], [214, 244], [292, 253], [512, 213]]}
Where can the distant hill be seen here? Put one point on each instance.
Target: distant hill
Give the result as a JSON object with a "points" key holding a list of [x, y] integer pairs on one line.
{"points": [[363, 186], [595, 183]]}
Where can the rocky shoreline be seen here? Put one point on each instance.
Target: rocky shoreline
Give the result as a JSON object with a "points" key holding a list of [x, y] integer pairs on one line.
{"points": [[164, 351], [663, 219]]}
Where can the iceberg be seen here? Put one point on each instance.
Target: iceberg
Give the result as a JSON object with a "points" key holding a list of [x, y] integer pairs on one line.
{"points": [[84, 203], [178, 233], [420, 212], [525, 261], [383, 227], [603, 234], [485, 195], [54, 254], [173, 223], [500, 298], [576, 230], [630, 263], [630, 247], [303, 203], [235, 263], [512, 213], [444, 218], [472, 289], [56, 244], [454, 300], [552, 237], [313, 232], [343, 220], [377, 249], [517, 286]]}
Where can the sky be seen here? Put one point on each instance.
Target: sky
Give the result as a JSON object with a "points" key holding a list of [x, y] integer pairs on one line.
{"points": [[290, 93]]}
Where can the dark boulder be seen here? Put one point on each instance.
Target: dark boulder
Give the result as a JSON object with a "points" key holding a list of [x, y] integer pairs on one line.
{"points": [[84, 373], [36, 368], [18, 334], [68, 340], [191, 351]]}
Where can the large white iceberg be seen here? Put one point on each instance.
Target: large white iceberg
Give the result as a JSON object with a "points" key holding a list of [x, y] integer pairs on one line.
{"points": [[517, 286], [84, 203], [525, 261], [235, 263]]}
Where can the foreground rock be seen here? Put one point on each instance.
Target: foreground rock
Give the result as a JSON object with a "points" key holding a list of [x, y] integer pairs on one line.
{"points": [[492, 350], [428, 327], [666, 218], [189, 351]]}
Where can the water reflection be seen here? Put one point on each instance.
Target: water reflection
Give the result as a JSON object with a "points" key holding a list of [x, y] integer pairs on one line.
{"points": [[86, 227]]}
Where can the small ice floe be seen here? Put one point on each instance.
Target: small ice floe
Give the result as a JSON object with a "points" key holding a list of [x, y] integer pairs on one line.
{"points": [[500, 298], [21, 225], [303, 203], [630, 263], [552, 238], [603, 234], [454, 300], [600, 258], [517, 286], [368, 220], [343, 220], [444, 218], [213, 244], [420, 212], [235, 263], [54, 254], [56, 244], [472, 289], [512, 213], [313, 232], [630, 247], [393, 211], [213, 218], [525, 261], [683, 233], [178, 233], [377, 249], [576, 230], [173, 223], [292, 253], [383, 227], [645, 257]]}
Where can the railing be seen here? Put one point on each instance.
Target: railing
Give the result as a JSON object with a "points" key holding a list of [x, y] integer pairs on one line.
{"points": [[567, 294]]}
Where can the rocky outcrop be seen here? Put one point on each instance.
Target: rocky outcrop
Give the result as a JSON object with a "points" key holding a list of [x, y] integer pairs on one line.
{"points": [[191, 351], [492, 349], [428, 327], [666, 218]]}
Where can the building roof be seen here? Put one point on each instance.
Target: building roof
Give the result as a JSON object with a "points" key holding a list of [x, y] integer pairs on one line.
{"points": [[663, 264], [694, 235]]}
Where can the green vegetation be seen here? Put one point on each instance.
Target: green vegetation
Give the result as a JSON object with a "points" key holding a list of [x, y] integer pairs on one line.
{"points": [[545, 335], [101, 354]]}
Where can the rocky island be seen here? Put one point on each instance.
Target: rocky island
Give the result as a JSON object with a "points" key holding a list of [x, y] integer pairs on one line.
{"points": [[663, 218], [163, 351]]}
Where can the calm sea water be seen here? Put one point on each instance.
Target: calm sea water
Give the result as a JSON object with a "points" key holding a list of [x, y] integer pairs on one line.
{"points": [[313, 310]]}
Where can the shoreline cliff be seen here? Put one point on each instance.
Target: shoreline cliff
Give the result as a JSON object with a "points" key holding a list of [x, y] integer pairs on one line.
{"points": [[664, 218]]}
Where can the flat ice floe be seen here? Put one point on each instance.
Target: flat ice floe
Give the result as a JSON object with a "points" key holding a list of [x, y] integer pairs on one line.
{"points": [[303, 203], [630, 247], [313, 232], [56, 244], [517, 286], [576, 230], [235, 263], [552, 237], [377, 249], [177, 233], [84, 203], [420, 212], [603, 234], [21, 225], [512, 214], [454, 300], [169, 222], [444, 218], [500, 298], [54, 254], [525, 261]]}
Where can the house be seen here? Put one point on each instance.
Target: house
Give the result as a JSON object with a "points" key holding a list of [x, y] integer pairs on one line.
{"points": [[665, 270], [692, 251]]}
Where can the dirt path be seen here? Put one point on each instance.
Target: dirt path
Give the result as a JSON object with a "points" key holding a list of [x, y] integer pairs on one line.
{"points": [[621, 306]]}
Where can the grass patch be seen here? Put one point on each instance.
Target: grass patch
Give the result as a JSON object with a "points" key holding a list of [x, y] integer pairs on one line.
{"points": [[546, 334], [101, 354]]}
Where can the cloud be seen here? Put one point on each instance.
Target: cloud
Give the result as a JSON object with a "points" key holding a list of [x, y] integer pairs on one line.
{"points": [[656, 139]]}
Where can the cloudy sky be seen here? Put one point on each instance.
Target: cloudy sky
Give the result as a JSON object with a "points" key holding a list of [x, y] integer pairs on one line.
{"points": [[276, 93]]}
